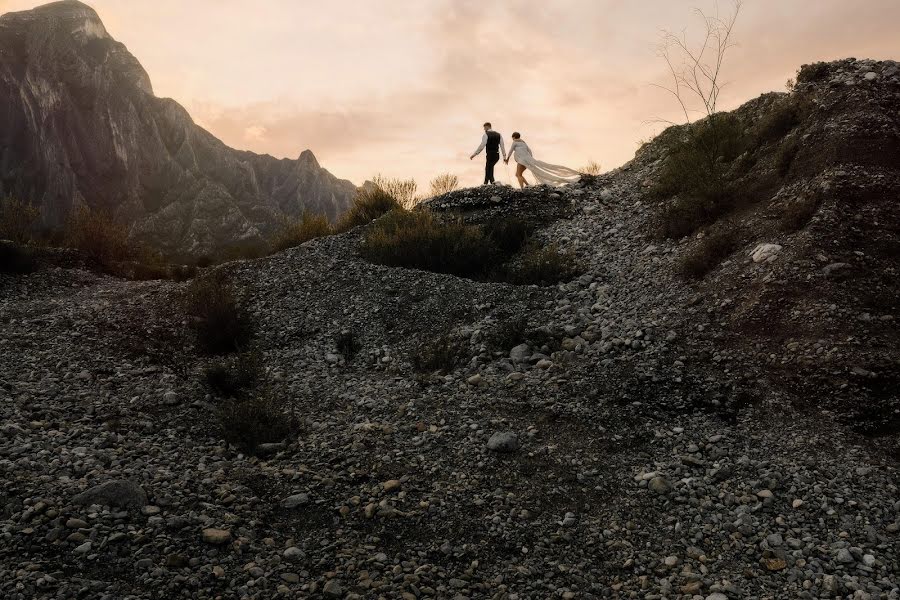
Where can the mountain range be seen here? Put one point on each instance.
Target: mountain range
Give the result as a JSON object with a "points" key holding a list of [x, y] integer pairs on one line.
{"points": [[81, 126]]}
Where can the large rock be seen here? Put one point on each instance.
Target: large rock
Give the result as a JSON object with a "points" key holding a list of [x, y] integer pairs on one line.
{"points": [[503, 442], [80, 126], [118, 493]]}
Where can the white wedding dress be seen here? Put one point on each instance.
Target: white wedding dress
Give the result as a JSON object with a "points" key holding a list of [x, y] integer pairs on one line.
{"points": [[542, 172]]}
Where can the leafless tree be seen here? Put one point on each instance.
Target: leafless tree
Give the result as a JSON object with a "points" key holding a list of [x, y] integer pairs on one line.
{"points": [[696, 68]]}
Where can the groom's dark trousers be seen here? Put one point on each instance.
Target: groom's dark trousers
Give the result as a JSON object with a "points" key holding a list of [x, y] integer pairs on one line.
{"points": [[492, 159]]}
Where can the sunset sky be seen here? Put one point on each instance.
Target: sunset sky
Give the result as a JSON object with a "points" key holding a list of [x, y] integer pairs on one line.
{"points": [[401, 87]]}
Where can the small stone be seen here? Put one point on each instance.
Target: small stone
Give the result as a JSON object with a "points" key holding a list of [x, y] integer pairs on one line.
{"points": [[170, 398], [216, 536], [775, 564], [218, 572], [671, 561], [765, 253], [764, 494], [83, 548], [295, 500], [475, 380], [544, 364], [293, 553], [118, 493], [660, 485], [844, 556], [391, 485], [797, 503], [504, 442], [717, 596], [333, 589], [76, 524], [868, 560], [520, 353]]}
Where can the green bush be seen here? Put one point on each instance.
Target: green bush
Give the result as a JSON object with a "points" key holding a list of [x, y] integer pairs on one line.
{"points": [[418, 240], [219, 322], [709, 253], [370, 203], [259, 418], [295, 232], [16, 259], [543, 265], [234, 377], [17, 220]]}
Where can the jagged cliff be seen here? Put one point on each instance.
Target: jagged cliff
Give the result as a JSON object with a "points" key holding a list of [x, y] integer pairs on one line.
{"points": [[79, 125]]}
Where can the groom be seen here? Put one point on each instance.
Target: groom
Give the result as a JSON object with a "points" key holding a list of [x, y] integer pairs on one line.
{"points": [[493, 141]]}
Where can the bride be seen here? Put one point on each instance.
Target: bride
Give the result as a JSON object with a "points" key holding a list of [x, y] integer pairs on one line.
{"points": [[543, 172]]}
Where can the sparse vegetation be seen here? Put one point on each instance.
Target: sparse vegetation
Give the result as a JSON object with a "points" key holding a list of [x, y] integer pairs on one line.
{"points": [[294, 232], [419, 240], [797, 213], [441, 354], [785, 156], [370, 203], [591, 168], [15, 259], [261, 417], [17, 220], [347, 344], [784, 116], [444, 184], [709, 253], [219, 322], [813, 72], [508, 235], [543, 265], [402, 190], [235, 376]]}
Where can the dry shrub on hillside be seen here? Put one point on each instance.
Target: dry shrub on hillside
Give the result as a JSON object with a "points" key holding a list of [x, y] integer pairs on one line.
{"points": [[294, 232], [784, 115], [441, 354], [509, 235], [220, 323], [17, 220], [797, 213], [370, 203], [709, 253], [259, 418], [543, 265], [591, 168], [103, 239], [509, 334], [235, 376], [403, 190], [419, 240], [444, 184]]}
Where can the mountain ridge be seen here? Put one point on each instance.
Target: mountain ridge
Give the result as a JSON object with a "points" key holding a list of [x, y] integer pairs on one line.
{"points": [[83, 128]]}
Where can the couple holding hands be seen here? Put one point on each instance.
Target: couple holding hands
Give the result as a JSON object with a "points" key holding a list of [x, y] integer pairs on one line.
{"points": [[544, 173]]}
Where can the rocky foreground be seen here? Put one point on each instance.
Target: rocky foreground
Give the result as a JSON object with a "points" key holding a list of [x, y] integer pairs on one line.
{"points": [[734, 437]]}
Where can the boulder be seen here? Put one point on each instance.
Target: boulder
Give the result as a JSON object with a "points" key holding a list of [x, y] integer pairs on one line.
{"points": [[120, 493]]}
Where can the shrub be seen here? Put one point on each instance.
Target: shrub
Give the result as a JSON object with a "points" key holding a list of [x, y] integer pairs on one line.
{"points": [[814, 72], [508, 235], [441, 354], [509, 334], [15, 259], [444, 184], [418, 240], [17, 220], [295, 232], [100, 237], [592, 168], [370, 203], [402, 190], [234, 377], [798, 213], [259, 418], [709, 253], [783, 117], [785, 156], [220, 324], [347, 344], [543, 265]]}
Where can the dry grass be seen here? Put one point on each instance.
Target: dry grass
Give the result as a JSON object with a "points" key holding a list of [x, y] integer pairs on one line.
{"points": [[294, 232], [259, 418], [234, 377], [219, 322], [402, 190], [784, 115], [509, 235], [798, 213], [419, 240], [543, 265], [370, 203], [709, 253], [17, 220], [591, 168], [444, 184], [441, 354]]}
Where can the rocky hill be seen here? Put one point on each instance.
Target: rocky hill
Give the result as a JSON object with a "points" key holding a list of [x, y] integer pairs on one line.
{"points": [[644, 430], [80, 126]]}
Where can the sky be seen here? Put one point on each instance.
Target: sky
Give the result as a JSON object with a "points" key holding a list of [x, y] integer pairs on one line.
{"points": [[402, 87]]}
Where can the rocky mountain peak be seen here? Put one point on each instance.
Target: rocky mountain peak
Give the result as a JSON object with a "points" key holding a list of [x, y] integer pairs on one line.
{"points": [[81, 127]]}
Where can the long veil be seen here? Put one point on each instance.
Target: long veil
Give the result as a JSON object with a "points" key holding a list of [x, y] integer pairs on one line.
{"points": [[549, 174]]}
